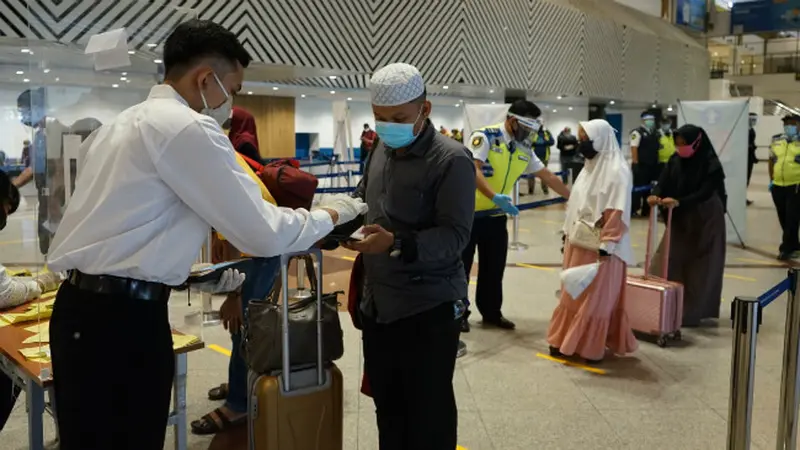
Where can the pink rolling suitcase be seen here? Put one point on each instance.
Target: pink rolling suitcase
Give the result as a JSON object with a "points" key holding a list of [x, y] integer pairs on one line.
{"points": [[655, 305]]}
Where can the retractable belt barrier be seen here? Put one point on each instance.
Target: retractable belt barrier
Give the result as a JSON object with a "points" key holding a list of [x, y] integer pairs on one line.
{"points": [[746, 313]]}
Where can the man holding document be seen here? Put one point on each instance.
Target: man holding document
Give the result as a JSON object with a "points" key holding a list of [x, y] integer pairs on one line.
{"points": [[143, 206]]}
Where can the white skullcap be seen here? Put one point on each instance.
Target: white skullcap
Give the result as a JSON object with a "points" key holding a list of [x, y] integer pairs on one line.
{"points": [[396, 84]]}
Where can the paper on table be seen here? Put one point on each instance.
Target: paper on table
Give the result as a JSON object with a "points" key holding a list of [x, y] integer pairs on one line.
{"points": [[43, 337], [37, 311], [183, 340], [39, 327], [110, 49], [37, 354]]}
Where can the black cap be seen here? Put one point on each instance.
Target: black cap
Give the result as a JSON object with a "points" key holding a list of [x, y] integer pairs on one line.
{"points": [[525, 108], [791, 118]]}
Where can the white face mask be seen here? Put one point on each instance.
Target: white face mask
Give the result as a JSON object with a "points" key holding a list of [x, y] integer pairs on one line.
{"points": [[222, 112]]}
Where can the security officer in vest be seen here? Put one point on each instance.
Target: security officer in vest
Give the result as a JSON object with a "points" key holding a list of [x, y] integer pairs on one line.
{"points": [[645, 145], [667, 144], [784, 171], [502, 153]]}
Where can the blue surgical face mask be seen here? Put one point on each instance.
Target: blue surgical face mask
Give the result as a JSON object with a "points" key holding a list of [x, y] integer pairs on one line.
{"points": [[397, 135], [790, 130], [650, 124]]}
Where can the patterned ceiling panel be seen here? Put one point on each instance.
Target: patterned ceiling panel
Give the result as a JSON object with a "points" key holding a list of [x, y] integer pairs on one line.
{"points": [[546, 46], [555, 48], [603, 68]]}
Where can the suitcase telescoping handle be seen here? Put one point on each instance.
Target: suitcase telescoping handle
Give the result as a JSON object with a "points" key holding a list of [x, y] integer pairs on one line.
{"points": [[287, 366], [652, 235]]}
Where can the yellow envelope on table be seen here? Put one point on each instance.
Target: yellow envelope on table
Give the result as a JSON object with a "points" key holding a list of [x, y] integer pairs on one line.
{"points": [[183, 340], [37, 354], [43, 337]]}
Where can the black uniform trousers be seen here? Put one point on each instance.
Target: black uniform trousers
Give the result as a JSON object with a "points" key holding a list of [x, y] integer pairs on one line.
{"points": [[410, 365], [8, 397], [113, 367], [787, 204], [490, 238], [643, 175]]}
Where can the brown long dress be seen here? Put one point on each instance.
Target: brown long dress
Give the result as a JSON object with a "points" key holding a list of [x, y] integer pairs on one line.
{"points": [[697, 258]]}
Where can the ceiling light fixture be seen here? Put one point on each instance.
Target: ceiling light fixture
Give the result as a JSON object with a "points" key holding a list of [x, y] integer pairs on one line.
{"points": [[332, 77], [157, 61], [25, 80], [445, 87], [19, 72], [349, 99], [333, 92], [458, 104], [131, 52], [494, 103], [58, 79], [124, 74], [669, 109], [303, 96], [152, 45], [114, 86], [249, 92], [655, 106], [46, 71], [559, 97], [275, 88], [611, 102], [570, 108], [555, 110], [123, 78], [491, 91], [25, 50]]}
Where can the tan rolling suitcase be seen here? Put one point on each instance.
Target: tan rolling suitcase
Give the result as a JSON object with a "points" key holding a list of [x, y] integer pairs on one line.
{"points": [[297, 408]]}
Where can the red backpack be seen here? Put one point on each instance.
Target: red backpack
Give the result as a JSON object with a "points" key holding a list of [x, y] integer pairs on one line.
{"points": [[289, 186]]}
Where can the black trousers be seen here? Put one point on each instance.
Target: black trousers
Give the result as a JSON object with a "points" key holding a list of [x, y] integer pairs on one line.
{"points": [[490, 238], [643, 175], [8, 397], [410, 365], [113, 367], [787, 204]]}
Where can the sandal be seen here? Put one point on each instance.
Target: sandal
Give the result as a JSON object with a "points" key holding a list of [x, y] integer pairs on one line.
{"points": [[218, 393], [208, 424]]}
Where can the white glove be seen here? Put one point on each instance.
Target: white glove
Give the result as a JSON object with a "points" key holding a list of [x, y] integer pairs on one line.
{"points": [[229, 281], [347, 207]]}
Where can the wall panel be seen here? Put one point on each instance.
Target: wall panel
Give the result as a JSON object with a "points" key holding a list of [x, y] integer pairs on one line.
{"points": [[274, 121], [604, 72], [672, 71], [555, 48], [640, 60], [571, 47]]}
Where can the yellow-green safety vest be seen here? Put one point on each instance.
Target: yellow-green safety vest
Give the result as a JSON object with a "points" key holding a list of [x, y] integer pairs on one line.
{"points": [[502, 168], [785, 161], [667, 148]]}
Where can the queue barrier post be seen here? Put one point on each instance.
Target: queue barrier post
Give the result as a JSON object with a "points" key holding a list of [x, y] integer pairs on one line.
{"points": [[745, 317], [790, 381], [515, 244]]}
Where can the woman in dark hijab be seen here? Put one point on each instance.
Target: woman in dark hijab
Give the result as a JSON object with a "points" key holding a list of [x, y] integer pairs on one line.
{"points": [[693, 183], [243, 134]]}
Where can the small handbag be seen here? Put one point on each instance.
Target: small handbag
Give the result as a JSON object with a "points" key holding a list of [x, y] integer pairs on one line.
{"points": [[585, 235], [261, 343]]}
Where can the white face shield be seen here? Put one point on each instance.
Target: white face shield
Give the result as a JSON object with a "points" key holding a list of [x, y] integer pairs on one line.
{"points": [[533, 125]]}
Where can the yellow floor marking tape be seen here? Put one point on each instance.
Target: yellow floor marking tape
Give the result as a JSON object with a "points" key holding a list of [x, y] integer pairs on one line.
{"points": [[458, 447], [572, 364], [18, 241], [531, 266], [765, 262], [347, 258], [219, 349], [525, 230], [739, 277], [551, 222]]}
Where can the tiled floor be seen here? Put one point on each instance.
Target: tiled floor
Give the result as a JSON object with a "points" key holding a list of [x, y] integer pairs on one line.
{"points": [[510, 398]]}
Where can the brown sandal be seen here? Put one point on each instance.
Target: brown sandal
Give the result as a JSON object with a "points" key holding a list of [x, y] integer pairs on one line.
{"points": [[208, 425], [218, 393]]}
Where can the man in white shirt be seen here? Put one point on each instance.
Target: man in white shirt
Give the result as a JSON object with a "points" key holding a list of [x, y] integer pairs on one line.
{"points": [[153, 183]]}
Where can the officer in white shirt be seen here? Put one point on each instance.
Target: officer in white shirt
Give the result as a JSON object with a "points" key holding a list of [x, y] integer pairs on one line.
{"points": [[153, 183]]}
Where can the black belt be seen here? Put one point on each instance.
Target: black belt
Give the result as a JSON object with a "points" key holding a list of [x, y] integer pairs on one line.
{"points": [[126, 287]]}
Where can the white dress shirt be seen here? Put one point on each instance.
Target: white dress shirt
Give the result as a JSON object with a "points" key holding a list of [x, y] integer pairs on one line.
{"points": [[152, 184]]}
